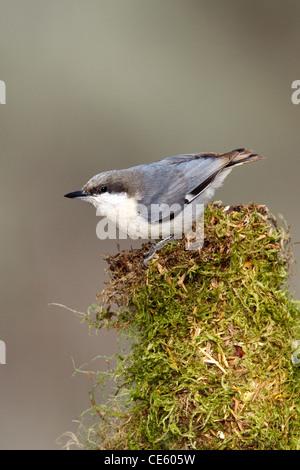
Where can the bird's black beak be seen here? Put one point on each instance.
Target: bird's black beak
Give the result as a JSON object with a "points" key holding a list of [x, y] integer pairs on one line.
{"points": [[76, 194]]}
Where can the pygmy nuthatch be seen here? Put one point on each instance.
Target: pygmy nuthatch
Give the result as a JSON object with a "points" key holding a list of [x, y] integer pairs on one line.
{"points": [[152, 200]]}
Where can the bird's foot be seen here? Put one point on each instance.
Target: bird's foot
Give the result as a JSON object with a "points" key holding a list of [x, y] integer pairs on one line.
{"points": [[155, 248]]}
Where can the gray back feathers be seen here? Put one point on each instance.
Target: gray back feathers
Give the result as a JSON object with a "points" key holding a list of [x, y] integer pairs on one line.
{"points": [[180, 179]]}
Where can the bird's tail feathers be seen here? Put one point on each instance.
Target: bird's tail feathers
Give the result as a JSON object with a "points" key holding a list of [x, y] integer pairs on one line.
{"points": [[241, 156]]}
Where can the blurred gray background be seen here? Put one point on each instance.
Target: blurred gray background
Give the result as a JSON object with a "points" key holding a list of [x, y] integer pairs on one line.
{"points": [[100, 84]]}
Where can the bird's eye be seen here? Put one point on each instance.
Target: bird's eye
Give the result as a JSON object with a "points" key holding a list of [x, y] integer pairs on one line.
{"points": [[103, 189]]}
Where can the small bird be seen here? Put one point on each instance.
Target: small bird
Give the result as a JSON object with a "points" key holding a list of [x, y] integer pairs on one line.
{"points": [[152, 200]]}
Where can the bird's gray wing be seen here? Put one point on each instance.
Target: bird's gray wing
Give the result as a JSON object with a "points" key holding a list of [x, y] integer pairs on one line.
{"points": [[182, 179], [175, 181]]}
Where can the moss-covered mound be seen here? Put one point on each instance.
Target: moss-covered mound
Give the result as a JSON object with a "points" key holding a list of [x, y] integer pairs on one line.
{"points": [[210, 361]]}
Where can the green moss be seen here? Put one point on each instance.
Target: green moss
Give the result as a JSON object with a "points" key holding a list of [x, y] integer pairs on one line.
{"points": [[210, 336]]}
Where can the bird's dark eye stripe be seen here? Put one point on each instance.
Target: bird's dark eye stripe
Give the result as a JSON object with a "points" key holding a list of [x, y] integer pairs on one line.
{"points": [[112, 188]]}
